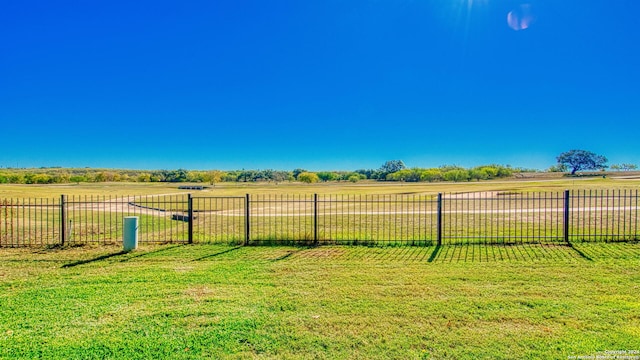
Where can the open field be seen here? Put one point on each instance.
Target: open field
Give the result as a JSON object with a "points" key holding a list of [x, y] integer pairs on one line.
{"points": [[540, 182], [514, 211], [213, 301], [542, 298]]}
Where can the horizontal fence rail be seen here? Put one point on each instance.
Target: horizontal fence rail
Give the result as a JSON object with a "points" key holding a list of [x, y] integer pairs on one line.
{"points": [[414, 219]]}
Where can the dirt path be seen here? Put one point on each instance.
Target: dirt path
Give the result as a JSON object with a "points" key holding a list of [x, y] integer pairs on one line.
{"points": [[124, 205]]}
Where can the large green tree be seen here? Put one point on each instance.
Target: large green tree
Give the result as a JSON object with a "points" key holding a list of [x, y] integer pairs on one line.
{"points": [[389, 167], [392, 166], [578, 160]]}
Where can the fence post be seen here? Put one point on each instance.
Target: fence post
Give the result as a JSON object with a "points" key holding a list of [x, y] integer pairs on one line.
{"points": [[190, 215], [315, 219], [565, 217], [63, 219], [439, 220], [246, 220]]}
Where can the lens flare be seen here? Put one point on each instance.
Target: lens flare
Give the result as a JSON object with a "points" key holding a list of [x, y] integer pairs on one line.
{"points": [[521, 18]]}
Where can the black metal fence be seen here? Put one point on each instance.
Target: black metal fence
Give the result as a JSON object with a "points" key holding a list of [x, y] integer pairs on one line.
{"points": [[461, 218]]}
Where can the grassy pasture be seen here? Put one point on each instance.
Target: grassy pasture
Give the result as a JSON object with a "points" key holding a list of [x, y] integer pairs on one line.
{"points": [[349, 213], [468, 301], [543, 182], [214, 301]]}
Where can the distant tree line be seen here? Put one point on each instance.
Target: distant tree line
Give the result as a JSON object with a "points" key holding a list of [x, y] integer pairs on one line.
{"points": [[398, 172], [624, 167], [570, 161], [394, 170]]}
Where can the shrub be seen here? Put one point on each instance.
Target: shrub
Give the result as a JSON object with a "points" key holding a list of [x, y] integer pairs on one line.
{"points": [[144, 177], [308, 177], [430, 175], [456, 175], [327, 176], [77, 178]]}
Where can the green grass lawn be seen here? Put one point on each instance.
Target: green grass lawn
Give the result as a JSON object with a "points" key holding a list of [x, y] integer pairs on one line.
{"points": [[214, 301]]}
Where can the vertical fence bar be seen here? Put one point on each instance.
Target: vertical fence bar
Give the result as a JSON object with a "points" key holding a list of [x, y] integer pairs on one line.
{"points": [[190, 215], [626, 217], [246, 220], [601, 211], [566, 216], [546, 233], [439, 220], [63, 220], [44, 228], [40, 216], [485, 216], [635, 228], [467, 201], [577, 219], [315, 219], [621, 211], [21, 223], [587, 204]]}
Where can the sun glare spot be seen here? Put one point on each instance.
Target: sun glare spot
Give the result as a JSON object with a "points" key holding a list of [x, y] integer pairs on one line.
{"points": [[521, 18]]}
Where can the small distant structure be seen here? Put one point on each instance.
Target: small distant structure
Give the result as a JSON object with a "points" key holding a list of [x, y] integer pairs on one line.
{"points": [[181, 217], [191, 187]]}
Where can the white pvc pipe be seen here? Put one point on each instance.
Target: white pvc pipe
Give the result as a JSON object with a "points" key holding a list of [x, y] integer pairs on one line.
{"points": [[130, 235]]}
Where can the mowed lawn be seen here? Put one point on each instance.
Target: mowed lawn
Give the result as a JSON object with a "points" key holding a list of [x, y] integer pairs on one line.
{"points": [[212, 301]]}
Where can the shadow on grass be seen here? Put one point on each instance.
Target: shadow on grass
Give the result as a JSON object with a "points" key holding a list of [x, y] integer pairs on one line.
{"points": [[506, 252], [35, 260], [218, 253], [161, 250], [99, 258], [132, 256], [427, 254], [449, 253], [291, 253], [435, 252], [580, 252], [599, 251]]}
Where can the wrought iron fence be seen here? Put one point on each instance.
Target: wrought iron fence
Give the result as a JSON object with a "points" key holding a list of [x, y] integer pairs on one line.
{"points": [[414, 219]]}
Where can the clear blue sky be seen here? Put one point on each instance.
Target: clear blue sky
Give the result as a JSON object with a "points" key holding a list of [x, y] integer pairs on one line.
{"points": [[328, 84]]}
